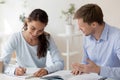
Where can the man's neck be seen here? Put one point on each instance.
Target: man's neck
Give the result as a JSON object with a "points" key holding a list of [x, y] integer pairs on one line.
{"points": [[98, 31]]}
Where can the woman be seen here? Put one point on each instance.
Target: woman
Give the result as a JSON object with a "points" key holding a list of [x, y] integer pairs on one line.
{"points": [[31, 46]]}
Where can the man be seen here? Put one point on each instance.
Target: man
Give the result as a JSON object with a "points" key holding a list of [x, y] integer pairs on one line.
{"points": [[101, 44]]}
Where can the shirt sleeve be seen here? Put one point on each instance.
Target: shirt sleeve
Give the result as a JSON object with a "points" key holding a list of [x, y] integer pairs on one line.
{"points": [[110, 72], [7, 51], [58, 63], [113, 72], [85, 56]]}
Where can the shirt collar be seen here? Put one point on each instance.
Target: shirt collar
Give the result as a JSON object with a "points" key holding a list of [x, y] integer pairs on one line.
{"points": [[104, 34]]}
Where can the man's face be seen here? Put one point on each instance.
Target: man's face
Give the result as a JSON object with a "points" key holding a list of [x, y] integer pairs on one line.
{"points": [[86, 28]]}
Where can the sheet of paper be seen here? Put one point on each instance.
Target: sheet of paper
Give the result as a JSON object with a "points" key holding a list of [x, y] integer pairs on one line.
{"points": [[8, 77], [67, 75], [91, 76], [29, 73]]}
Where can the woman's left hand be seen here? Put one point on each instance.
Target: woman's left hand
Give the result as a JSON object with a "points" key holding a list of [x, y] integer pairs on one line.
{"points": [[41, 72]]}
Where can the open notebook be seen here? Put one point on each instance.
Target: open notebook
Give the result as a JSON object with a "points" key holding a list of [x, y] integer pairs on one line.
{"points": [[64, 75], [67, 75], [27, 75]]}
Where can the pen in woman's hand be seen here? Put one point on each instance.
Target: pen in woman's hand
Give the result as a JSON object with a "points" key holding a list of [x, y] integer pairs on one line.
{"points": [[19, 71], [23, 68]]}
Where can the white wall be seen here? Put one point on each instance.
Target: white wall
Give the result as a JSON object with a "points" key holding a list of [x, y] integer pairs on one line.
{"points": [[53, 8]]}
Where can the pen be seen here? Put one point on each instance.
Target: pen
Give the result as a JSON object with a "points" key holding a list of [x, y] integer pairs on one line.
{"points": [[23, 69], [103, 78], [28, 77]]}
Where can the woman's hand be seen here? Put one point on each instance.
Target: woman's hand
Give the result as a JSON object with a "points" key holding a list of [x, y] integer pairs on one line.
{"points": [[41, 72], [19, 71]]}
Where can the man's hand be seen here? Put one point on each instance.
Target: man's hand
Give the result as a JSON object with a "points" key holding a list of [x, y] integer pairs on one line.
{"points": [[90, 67], [41, 72], [19, 71], [76, 70], [86, 68]]}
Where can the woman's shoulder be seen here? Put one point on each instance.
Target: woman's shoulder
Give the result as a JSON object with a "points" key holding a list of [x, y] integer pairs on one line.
{"points": [[13, 38], [46, 34], [16, 35]]}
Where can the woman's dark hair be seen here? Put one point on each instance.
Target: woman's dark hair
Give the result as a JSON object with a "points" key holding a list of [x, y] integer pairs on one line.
{"points": [[90, 13], [40, 15]]}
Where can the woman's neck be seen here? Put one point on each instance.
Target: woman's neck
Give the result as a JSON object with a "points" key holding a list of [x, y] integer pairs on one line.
{"points": [[29, 40]]}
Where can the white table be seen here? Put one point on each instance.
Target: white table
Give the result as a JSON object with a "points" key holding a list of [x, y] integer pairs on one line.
{"points": [[65, 74]]}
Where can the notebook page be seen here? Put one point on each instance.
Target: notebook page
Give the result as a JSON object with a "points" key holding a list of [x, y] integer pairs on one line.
{"points": [[29, 73], [91, 76], [65, 74]]}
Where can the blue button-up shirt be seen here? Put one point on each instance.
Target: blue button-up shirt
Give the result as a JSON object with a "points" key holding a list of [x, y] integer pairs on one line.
{"points": [[105, 52]]}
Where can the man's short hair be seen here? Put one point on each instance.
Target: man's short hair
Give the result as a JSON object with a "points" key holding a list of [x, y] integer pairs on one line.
{"points": [[90, 13]]}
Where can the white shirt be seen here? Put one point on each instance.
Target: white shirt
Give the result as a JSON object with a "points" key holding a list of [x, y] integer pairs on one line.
{"points": [[26, 55]]}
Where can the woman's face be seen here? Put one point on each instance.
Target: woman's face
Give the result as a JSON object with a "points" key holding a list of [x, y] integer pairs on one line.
{"points": [[35, 28]]}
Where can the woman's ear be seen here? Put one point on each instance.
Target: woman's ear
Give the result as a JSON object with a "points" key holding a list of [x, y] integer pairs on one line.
{"points": [[26, 20]]}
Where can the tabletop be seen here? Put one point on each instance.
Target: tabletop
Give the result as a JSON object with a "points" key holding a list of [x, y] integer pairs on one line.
{"points": [[65, 74]]}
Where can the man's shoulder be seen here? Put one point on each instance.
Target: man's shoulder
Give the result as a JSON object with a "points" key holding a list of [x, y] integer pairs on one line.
{"points": [[113, 29], [114, 33]]}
